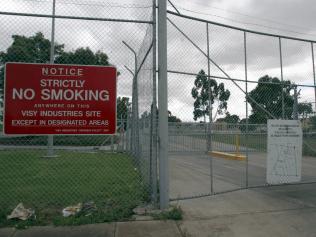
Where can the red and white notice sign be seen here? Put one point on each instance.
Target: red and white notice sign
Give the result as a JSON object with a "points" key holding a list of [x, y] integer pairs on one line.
{"points": [[59, 99]]}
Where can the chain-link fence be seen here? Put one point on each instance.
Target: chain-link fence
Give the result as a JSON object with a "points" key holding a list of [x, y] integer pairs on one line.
{"points": [[115, 172], [225, 83]]}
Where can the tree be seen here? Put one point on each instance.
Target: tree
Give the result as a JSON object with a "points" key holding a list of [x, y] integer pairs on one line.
{"points": [[123, 106], [203, 86], [173, 118], [36, 49], [83, 56], [231, 119], [304, 109], [268, 94], [33, 49]]}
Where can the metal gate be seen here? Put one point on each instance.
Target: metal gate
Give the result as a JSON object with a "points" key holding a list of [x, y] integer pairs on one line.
{"points": [[239, 78]]}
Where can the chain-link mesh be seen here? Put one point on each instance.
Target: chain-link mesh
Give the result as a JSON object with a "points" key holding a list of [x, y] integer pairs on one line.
{"points": [[144, 77], [101, 168], [261, 74], [224, 84]]}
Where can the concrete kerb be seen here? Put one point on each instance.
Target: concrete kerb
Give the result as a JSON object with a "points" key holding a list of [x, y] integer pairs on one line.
{"points": [[7, 232], [147, 228], [95, 230], [119, 229]]}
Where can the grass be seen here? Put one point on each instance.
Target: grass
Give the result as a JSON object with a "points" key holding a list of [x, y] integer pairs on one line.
{"points": [[49, 185], [259, 142], [175, 213]]}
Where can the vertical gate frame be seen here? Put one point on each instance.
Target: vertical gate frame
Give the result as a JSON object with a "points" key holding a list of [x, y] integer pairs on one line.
{"points": [[209, 136]]}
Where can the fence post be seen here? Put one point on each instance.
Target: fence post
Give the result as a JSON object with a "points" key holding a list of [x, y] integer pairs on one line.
{"points": [[295, 105], [112, 143], [163, 104], [247, 110], [136, 112], [122, 132], [127, 131], [50, 138], [135, 129], [130, 133], [210, 108], [314, 73], [281, 67]]}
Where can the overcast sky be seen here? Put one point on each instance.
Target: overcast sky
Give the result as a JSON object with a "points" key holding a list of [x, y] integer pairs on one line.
{"points": [[286, 17]]}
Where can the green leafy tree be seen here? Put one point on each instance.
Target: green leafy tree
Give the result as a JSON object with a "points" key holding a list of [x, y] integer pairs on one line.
{"points": [[268, 94], [203, 86], [33, 49], [36, 49], [173, 118], [304, 109], [123, 106], [84, 56], [231, 119], [243, 127]]}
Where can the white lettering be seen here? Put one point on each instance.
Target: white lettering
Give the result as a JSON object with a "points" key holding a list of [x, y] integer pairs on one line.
{"points": [[73, 94], [45, 94], [62, 71], [27, 94], [29, 113]]}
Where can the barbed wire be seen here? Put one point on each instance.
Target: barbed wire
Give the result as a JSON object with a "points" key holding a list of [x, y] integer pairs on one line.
{"points": [[258, 18]]}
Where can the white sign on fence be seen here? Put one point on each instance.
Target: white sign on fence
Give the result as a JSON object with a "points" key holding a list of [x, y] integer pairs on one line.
{"points": [[284, 161]]}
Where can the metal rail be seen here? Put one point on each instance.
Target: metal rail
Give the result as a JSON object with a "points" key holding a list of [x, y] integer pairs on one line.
{"points": [[74, 17], [234, 79], [239, 28]]}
